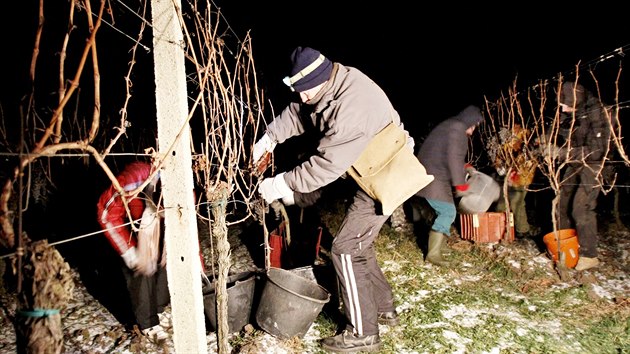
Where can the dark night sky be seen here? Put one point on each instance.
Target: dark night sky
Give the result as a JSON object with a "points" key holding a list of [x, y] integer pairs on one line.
{"points": [[431, 60]]}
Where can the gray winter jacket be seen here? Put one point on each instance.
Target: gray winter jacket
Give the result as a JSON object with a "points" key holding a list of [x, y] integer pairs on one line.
{"points": [[348, 112], [443, 154]]}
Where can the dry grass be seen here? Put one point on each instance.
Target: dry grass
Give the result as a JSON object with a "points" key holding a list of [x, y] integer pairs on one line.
{"points": [[499, 298]]}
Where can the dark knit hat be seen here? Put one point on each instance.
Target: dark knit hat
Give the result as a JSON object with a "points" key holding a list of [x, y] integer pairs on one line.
{"points": [[309, 68], [572, 94]]}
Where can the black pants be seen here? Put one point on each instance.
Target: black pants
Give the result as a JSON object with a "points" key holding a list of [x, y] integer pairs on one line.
{"points": [[363, 286], [149, 296], [578, 200]]}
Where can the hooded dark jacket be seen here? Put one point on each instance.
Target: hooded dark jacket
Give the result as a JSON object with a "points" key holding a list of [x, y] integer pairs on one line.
{"points": [[443, 154], [591, 130], [589, 140]]}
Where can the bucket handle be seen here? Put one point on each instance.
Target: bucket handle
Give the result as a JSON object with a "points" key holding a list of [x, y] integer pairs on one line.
{"points": [[279, 208], [205, 279]]}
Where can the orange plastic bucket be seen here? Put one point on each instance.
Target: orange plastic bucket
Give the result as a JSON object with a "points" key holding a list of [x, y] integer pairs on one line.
{"points": [[568, 246]]}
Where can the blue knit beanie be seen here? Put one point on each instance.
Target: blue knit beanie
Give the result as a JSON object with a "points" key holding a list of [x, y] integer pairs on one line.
{"points": [[309, 68]]}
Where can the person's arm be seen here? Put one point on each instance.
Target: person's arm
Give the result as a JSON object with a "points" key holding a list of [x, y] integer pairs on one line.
{"points": [[456, 155], [464, 189], [337, 152], [598, 135], [286, 125], [318, 171], [350, 124], [283, 127], [113, 218]]}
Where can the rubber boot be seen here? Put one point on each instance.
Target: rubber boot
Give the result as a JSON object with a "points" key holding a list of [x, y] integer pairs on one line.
{"points": [[434, 253], [446, 249]]}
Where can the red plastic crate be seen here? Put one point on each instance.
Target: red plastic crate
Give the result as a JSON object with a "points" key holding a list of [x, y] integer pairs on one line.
{"points": [[486, 227]]}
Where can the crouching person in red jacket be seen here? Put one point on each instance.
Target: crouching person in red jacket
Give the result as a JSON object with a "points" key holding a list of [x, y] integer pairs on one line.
{"points": [[141, 252]]}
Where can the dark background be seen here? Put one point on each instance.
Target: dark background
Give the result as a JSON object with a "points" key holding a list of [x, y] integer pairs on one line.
{"points": [[431, 59]]}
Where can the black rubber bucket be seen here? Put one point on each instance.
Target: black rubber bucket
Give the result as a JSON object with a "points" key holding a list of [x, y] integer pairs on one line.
{"points": [[289, 304], [240, 289]]}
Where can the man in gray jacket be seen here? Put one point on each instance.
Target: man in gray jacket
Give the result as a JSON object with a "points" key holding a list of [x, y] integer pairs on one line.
{"points": [[347, 109], [443, 154]]}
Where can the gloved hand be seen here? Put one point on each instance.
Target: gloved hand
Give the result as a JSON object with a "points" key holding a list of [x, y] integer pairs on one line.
{"points": [[131, 258], [469, 169], [148, 241], [513, 178], [462, 190], [262, 146], [274, 188]]}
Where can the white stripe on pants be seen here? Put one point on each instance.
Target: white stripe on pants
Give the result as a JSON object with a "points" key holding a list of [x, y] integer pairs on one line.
{"points": [[363, 287]]}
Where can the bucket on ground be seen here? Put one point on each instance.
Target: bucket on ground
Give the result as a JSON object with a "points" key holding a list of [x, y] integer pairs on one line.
{"points": [[240, 290], [568, 246], [289, 304], [483, 191]]}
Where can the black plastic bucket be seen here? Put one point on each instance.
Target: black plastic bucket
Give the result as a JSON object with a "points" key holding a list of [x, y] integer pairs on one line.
{"points": [[289, 304], [240, 290]]}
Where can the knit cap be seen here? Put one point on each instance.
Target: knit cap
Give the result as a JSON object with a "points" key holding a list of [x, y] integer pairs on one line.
{"points": [[309, 68]]}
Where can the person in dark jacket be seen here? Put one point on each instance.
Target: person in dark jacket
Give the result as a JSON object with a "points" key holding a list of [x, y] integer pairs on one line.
{"points": [[347, 109], [443, 154], [589, 141]]}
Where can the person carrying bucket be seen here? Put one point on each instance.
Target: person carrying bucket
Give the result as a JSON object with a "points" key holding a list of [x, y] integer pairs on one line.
{"points": [[443, 152], [347, 110]]}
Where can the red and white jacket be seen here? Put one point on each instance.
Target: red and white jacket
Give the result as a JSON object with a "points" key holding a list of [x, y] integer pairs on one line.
{"points": [[111, 211]]}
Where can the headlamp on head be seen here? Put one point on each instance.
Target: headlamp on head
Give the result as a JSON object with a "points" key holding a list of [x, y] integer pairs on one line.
{"points": [[289, 81]]}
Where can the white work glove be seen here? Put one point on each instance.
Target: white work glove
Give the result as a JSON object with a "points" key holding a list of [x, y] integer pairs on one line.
{"points": [[262, 146], [274, 188], [131, 258], [148, 241]]}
